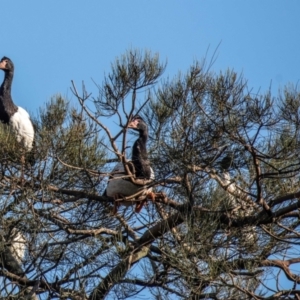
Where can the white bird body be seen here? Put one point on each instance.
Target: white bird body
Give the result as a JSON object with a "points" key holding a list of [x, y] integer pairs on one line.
{"points": [[18, 246], [22, 127], [240, 208]]}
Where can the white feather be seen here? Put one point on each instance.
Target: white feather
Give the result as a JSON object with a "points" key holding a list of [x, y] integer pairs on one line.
{"points": [[18, 245], [22, 127], [117, 185], [242, 208]]}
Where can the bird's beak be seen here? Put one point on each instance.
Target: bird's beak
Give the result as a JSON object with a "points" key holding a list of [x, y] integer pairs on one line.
{"points": [[3, 65], [133, 124]]}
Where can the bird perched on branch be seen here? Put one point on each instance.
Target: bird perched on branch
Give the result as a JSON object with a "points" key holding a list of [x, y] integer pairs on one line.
{"points": [[120, 185], [16, 117]]}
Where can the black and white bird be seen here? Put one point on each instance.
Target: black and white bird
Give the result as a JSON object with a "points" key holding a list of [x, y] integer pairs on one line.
{"points": [[16, 117], [120, 186]]}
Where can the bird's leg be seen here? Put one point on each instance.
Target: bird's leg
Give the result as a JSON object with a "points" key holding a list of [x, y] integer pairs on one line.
{"points": [[117, 203], [152, 196], [139, 205]]}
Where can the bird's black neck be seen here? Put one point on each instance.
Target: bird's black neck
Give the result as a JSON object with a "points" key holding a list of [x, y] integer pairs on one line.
{"points": [[140, 156], [7, 106]]}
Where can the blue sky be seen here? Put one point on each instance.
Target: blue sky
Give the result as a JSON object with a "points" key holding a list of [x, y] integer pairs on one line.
{"points": [[54, 42]]}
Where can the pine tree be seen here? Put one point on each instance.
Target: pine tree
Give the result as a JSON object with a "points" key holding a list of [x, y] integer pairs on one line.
{"points": [[225, 220]]}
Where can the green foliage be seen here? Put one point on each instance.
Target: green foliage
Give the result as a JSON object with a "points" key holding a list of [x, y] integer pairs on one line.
{"points": [[10, 149], [72, 142], [132, 72], [226, 160]]}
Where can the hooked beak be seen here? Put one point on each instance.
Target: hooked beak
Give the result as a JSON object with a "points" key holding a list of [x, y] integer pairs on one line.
{"points": [[3, 65], [133, 124]]}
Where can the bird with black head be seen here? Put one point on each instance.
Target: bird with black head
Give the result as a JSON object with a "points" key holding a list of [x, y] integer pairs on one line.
{"points": [[120, 186]]}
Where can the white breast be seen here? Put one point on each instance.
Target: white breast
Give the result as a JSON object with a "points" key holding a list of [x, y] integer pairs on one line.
{"points": [[23, 128], [18, 245]]}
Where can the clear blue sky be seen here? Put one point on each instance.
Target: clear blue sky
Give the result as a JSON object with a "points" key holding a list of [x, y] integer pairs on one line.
{"points": [[54, 42]]}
